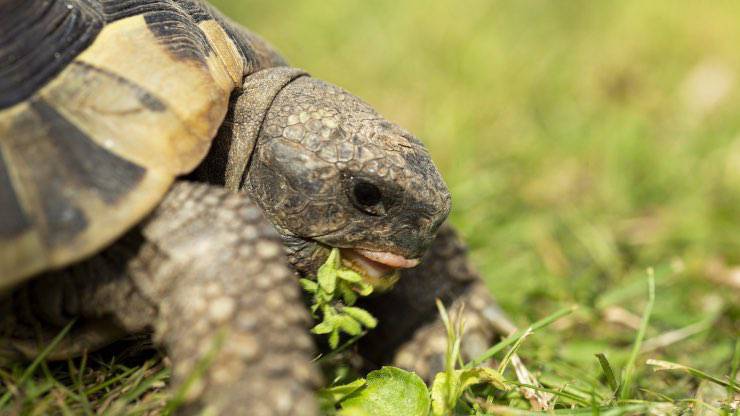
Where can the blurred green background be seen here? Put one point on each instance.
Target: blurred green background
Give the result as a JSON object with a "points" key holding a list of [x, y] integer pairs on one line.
{"points": [[582, 141]]}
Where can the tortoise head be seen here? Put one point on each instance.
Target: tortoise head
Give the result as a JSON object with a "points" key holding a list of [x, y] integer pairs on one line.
{"points": [[329, 171]]}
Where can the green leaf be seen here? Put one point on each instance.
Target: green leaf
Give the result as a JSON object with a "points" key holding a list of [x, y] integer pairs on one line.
{"points": [[324, 297], [348, 295], [480, 375], [309, 285], [327, 274], [334, 284], [349, 275], [334, 339], [363, 316], [364, 289], [336, 394], [334, 259], [446, 390], [328, 311], [327, 277], [440, 391], [349, 325], [323, 328], [390, 391]]}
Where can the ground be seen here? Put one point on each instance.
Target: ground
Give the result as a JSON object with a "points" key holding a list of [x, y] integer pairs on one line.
{"points": [[583, 142]]}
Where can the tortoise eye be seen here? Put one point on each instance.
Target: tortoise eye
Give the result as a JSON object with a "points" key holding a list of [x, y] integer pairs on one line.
{"points": [[367, 197]]}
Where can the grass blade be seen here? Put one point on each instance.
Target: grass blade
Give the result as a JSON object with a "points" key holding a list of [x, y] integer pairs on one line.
{"points": [[735, 365], [41, 357], [511, 339], [109, 381], [555, 392], [624, 393], [667, 366], [608, 372], [505, 361]]}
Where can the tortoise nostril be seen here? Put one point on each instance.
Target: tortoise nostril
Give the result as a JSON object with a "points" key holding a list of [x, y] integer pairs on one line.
{"points": [[438, 223], [431, 224], [424, 223]]}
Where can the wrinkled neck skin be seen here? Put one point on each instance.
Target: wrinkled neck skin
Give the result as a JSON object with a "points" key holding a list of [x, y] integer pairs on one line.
{"points": [[329, 171], [305, 255]]}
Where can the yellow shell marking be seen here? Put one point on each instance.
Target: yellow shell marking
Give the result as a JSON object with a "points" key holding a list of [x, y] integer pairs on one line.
{"points": [[129, 94]]}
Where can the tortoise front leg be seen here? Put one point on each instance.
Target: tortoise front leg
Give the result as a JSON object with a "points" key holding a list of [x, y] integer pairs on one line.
{"points": [[207, 271], [410, 333], [229, 310]]}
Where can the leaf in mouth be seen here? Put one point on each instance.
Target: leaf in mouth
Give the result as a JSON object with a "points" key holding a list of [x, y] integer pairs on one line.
{"points": [[336, 288]]}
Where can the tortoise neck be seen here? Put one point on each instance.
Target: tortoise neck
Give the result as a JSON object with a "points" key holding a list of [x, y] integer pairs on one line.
{"points": [[228, 160]]}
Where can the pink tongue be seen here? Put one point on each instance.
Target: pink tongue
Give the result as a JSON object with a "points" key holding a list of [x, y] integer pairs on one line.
{"points": [[388, 259]]}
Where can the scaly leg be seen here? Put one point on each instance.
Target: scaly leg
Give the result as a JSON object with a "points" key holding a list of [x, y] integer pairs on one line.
{"points": [[229, 305], [207, 272]]}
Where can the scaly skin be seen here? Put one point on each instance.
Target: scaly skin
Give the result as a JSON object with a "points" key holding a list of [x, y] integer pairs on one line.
{"points": [[216, 270], [206, 271], [318, 143]]}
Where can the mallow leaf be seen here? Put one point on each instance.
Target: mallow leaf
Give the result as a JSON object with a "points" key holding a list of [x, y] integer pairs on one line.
{"points": [[390, 391]]}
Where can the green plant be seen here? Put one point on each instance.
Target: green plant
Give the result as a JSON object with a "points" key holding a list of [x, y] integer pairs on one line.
{"points": [[334, 291], [393, 391]]}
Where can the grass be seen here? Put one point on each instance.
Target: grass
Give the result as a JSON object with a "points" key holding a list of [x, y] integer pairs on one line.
{"points": [[583, 143], [98, 384]]}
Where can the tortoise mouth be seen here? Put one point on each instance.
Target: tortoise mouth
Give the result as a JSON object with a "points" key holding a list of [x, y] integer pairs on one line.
{"points": [[379, 269], [387, 259], [375, 263]]}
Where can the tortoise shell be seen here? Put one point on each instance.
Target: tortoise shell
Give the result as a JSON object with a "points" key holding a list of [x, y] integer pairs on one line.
{"points": [[102, 104]]}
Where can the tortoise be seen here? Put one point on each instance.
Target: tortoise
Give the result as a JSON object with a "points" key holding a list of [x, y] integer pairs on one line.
{"points": [[163, 168]]}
